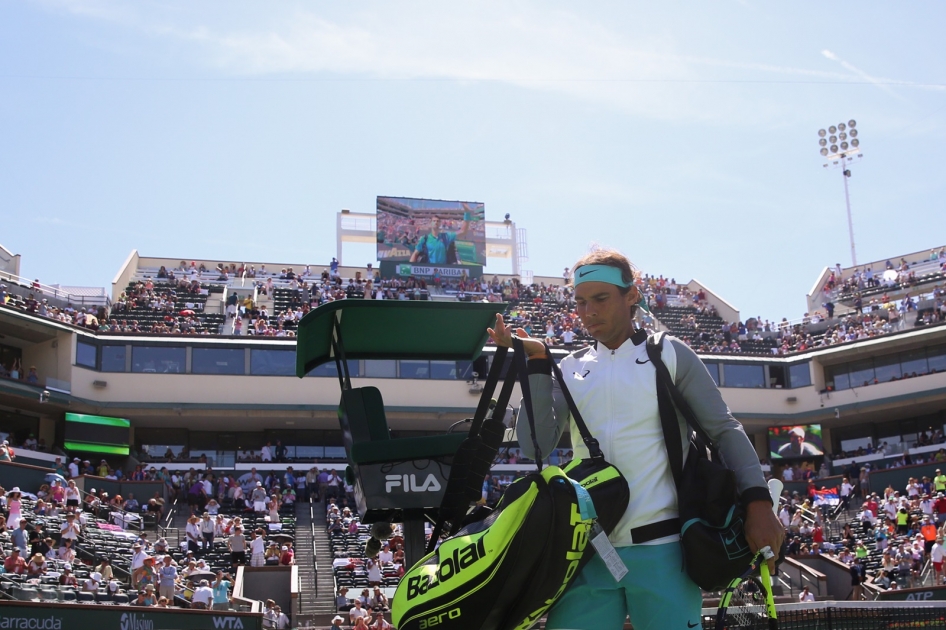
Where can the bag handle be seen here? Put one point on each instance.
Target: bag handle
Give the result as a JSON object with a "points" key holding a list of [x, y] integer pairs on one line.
{"points": [[489, 386], [519, 356], [594, 448], [455, 502]]}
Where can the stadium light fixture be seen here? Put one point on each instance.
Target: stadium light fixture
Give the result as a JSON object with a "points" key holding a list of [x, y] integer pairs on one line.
{"points": [[839, 145]]}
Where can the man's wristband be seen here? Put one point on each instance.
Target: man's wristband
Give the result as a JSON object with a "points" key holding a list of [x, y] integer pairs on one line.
{"points": [[751, 495], [539, 365]]}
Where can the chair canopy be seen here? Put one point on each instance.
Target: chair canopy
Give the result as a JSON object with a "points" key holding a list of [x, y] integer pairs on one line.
{"points": [[394, 329]]}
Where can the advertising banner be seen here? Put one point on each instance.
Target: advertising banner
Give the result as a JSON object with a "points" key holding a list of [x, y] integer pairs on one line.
{"points": [[79, 617], [392, 269]]}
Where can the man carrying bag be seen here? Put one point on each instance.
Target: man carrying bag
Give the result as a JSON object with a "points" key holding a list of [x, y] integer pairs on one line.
{"points": [[613, 385]]}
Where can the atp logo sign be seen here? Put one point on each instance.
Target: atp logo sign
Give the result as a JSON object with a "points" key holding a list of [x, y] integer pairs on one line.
{"points": [[408, 483]]}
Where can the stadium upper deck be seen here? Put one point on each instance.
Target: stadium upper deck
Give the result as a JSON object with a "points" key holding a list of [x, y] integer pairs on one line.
{"points": [[219, 393]]}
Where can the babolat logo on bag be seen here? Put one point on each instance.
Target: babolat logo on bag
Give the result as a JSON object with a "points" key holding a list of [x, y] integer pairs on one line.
{"points": [[450, 567], [408, 483], [733, 541], [538, 538]]}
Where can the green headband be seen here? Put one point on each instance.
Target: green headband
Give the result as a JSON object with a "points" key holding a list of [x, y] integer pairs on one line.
{"points": [[606, 273]]}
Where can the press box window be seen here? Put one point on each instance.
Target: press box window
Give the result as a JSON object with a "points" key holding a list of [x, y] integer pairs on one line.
{"points": [[272, 362], [799, 375], [217, 361], [85, 355], [158, 360], [113, 358], [740, 375]]}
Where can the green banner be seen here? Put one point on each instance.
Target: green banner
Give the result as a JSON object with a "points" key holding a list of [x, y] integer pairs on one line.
{"points": [[393, 269], [17, 616]]}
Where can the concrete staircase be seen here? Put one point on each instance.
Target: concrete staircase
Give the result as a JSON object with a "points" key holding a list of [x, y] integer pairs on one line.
{"points": [[314, 562]]}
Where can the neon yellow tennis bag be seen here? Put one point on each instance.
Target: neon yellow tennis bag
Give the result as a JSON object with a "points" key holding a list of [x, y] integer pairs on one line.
{"points": [[505, 571]]}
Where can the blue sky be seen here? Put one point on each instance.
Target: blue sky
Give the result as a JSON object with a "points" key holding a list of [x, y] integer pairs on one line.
{"points": [[683, 134]]}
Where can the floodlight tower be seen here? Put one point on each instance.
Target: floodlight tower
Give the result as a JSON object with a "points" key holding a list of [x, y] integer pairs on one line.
{"points": [[839, 146]]}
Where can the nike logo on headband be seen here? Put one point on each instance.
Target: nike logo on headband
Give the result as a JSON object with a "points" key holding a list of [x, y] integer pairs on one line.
{"points": [[582, 275]]}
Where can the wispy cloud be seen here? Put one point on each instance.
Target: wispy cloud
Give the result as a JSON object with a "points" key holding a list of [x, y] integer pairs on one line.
{"points": [[530, 46], [880, 83]]}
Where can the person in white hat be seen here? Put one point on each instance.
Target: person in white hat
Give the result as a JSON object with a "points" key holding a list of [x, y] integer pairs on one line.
{"points": [[259, 497], [66, 578], [13, 507], [203, 596], [257, 549], [337, 621], [797, 446], [91, 585]]}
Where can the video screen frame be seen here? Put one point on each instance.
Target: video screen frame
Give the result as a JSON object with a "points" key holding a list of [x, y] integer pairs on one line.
{"points": [[431, 231], [795, 441]]}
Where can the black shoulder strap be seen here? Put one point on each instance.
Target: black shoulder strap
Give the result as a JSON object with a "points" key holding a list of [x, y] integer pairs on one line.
{"points": [[519, 356], [654, 346], [594, 448], [475, 455], [668, 415]]}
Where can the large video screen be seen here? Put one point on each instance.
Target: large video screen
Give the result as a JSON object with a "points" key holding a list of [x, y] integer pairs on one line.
{"points": [[97, 434], [431, 232], [795, 441]]}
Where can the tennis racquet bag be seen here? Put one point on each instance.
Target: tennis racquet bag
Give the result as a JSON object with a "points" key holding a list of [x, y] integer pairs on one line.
{"points": [[505, 571]]}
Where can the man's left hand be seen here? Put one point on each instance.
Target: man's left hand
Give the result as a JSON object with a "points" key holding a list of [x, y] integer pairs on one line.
{"points": [[763, 529]]}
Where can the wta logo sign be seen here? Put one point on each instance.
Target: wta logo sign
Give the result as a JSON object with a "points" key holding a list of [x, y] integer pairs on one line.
{"points": [[131, 621]]}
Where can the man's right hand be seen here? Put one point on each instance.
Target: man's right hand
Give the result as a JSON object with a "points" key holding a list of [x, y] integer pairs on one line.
{"points": [[502, 336]]}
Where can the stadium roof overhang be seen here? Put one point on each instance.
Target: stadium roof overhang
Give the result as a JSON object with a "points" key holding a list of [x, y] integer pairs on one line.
{"points": [[392, 329], [24, 327]]}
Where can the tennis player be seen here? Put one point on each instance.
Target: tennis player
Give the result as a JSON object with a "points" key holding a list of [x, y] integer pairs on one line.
{"points": [[614, 387], [437, 247]]}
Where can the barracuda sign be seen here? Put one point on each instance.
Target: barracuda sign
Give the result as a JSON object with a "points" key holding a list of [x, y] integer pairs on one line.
{"points": [[31, 623]]}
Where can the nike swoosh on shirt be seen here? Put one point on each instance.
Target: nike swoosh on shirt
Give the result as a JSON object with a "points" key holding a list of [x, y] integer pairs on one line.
{"points": [[639, 362], [582, 275], [692, 625]]}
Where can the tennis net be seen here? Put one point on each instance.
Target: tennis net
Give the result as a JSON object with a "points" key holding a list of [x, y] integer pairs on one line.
{"points": [[846, 616]]}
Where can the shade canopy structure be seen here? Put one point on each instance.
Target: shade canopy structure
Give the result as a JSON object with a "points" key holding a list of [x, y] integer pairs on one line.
{"points": [[405, 479], [393, 329]]}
